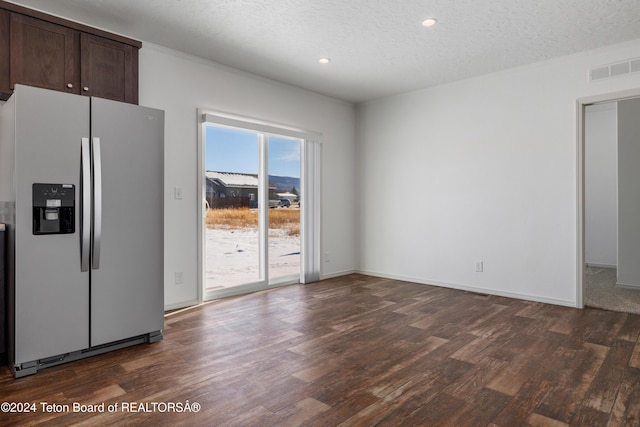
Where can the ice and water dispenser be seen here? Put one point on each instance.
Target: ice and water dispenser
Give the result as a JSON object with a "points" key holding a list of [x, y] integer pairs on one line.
{"points": [[53, 208]]}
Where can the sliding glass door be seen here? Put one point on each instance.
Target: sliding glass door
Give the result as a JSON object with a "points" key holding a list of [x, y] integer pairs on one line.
{"points": [[232, 235], [284, 214], [252, 232]]}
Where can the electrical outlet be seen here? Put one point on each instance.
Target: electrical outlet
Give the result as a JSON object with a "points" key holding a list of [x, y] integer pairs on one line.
{"points": [[479, 266], [326, 257], [179, 278], [177, 193]]}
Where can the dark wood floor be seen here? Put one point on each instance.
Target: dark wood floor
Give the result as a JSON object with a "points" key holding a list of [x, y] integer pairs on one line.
{"points": [[358, 351]]}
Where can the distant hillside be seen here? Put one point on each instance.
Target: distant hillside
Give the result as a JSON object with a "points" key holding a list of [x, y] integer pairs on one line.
{"points": [[284, 183]]}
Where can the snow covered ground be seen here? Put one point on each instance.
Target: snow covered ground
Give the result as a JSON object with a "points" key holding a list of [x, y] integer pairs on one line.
{"points": [[232, 256]]}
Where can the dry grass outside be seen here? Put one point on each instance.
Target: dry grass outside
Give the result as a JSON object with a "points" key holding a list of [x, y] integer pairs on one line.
{"points": [[279, 218]]}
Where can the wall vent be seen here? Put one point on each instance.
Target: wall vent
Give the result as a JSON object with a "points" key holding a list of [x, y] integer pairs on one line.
{"points": [[613, 70], [600, 73]]}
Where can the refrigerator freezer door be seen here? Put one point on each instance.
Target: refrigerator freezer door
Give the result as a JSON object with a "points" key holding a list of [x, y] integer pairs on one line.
{"points": [[127, 291], [51, 291]]}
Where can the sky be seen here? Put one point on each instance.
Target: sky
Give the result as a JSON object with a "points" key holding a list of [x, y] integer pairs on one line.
{"points": [[233, 150]]}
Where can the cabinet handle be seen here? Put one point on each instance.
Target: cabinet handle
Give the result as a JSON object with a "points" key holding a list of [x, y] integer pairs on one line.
{"points": [[86, 88], [69, 85]]}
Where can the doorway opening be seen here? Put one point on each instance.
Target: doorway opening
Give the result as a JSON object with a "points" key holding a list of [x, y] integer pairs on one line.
{"points": [[260, 205], [607, 277]]}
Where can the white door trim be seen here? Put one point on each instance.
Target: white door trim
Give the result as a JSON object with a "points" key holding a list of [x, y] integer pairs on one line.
{"points": [[310, 198]]}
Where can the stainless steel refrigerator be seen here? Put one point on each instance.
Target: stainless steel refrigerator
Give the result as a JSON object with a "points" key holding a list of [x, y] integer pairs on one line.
{"points": [[81, 192]]}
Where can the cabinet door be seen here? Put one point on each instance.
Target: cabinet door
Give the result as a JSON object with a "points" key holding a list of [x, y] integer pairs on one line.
{"points": [[44, 54], [109, 69]]}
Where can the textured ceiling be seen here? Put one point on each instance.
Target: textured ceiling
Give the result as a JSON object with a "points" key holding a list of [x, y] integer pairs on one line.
{"points": [[377, 47]]}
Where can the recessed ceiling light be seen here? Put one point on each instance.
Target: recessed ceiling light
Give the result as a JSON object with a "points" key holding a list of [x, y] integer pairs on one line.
{"points": [[429, 22], [324, 60]]}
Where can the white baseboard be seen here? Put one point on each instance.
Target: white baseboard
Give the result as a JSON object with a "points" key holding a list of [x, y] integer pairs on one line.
{"points": [[627, 286], [590, 264], [338, 274], [475, 289], [179, 305]]}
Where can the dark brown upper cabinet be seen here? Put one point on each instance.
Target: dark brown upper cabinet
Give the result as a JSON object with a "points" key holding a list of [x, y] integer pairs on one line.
{"points": [[43, 54], [109, 69], [49, 52]]}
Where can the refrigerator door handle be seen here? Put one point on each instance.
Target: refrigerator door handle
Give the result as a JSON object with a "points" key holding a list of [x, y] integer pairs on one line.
{"points": [[97, 203], [85, 214]]}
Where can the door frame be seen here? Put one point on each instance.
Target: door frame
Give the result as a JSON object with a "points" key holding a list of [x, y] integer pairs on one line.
{"points": [[581, 104], [310, 179]]}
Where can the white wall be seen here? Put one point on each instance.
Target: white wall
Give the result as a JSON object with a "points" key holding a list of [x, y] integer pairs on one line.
{"points": [[601, 184], [483, 169], [179, 84]]}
